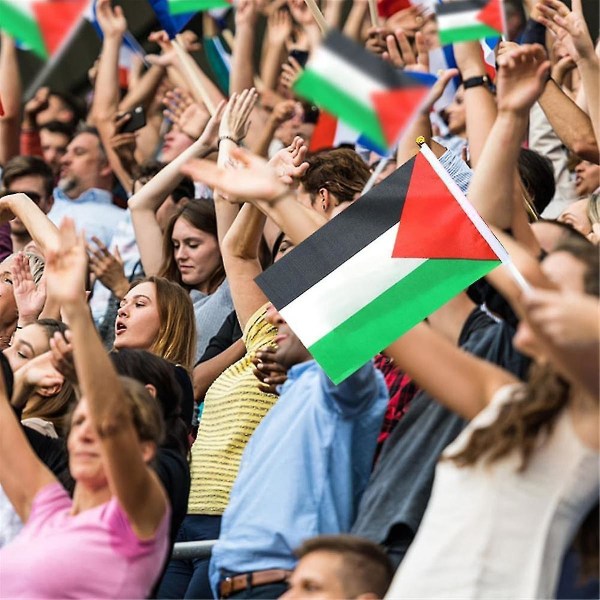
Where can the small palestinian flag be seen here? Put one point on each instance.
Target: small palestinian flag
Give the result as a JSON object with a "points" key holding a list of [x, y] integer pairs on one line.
{"points": [[383, 265], [41, 25], [362, 90], [330, 133], [466, 20], [178, 7]]}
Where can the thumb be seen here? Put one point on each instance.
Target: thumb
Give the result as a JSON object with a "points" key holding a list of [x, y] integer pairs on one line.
{"points": [[118, 255]]}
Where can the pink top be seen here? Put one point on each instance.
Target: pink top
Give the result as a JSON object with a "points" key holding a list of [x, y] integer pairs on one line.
{"points": [[94, 554]]}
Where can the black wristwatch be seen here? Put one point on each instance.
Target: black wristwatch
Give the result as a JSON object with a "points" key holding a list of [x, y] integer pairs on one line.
{"points": [[477, 81]]}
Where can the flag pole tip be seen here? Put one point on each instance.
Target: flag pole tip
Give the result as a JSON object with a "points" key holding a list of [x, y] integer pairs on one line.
{"points": [[420, 141]]}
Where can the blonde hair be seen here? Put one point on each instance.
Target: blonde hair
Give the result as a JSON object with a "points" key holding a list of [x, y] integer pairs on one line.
{"points": [[176, 338]]}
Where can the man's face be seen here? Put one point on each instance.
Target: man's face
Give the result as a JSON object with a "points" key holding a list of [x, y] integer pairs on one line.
{"points": [[318, 577], [290, 350], [33, 186], [83, 166], [54, 147]]}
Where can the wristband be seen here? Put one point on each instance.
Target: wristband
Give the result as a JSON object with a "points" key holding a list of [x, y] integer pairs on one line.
{"points": [[231, 139], [477, 81]]}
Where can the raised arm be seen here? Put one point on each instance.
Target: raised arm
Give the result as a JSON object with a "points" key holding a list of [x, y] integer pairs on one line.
{"points": [[279, 31], [22, 473], [10, 96], [461, 382], [570, 28], [43, 232], [144, 203], [242, 66], [521, 77], [135, 485]]}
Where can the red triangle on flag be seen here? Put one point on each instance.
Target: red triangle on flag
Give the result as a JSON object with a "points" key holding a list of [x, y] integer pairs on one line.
{"points": [[492, 15], [324, 133], [395, 108], [433, 224], [56, 19]]}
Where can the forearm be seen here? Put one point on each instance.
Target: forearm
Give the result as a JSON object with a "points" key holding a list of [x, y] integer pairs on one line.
{"points": [[570, 123], [242, 66], [106, 88], [264, 139], [271, 65], [10, 84], [492, 187], [355, 20], [143, 93], [243, 238], [407, 146], [298, 221], [589, 69], [43, 232]]}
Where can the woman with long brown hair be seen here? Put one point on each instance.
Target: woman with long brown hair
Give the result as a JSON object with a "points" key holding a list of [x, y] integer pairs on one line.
{"points": [[511, 491]]}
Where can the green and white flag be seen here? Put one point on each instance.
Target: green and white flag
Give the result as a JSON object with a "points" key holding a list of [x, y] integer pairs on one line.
{"points": [[466, 20]]}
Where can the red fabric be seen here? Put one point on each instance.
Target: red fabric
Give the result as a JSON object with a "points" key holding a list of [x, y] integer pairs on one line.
{"points": [[324, 133], [433, 224], [56, 18], [30, 143], [387, 8], [492, 15], [395, 108]]}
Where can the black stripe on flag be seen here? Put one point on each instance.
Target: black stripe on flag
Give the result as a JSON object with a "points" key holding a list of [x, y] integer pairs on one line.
{"points": [[337, 241], [351, 52], [452, 8]]}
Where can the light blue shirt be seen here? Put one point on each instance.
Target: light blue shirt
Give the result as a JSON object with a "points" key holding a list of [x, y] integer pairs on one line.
{"points": [[93, 211], [458, 169], [303, 471]]}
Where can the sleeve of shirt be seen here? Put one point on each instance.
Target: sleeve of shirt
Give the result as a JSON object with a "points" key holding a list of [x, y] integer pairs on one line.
{"points": [[457, 169], [356, 392], [52, 498]]}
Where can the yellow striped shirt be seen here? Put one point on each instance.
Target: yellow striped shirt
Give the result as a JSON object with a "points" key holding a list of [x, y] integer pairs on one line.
{"points": [[233, 408]]}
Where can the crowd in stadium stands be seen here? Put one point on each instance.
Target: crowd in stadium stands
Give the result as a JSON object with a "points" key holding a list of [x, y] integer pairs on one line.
{"points": [[151, 394]]}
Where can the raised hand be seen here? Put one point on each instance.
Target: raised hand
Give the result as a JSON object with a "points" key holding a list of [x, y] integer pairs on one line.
{"points": [[111, 20], [124, 144], [235, 124], [289, 163], [190, 117], [30, 298], [61, 349], [568, 26], [41, 373], [108, 268], [522, 75], [33, 107], [400, 53], [290, 71], [254, 180], [210, 135], [280, 28], [66, 267]]}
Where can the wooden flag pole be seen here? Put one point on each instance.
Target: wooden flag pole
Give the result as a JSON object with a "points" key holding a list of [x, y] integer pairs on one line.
{"points": [[373, 13], [318, 15], [191, 74]]}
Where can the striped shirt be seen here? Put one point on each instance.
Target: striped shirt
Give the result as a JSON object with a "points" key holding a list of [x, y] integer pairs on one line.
{"points": [[233, 408]]}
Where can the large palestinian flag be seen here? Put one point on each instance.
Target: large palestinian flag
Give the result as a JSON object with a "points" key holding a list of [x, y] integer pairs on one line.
{"points": [[465, 20], [41, 25], [362, 90], [381, 266]]}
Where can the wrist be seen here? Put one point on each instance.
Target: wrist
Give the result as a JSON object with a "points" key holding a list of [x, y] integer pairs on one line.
{"points": [[470, 71], [26, 319], [120, 288], [29, 122]]}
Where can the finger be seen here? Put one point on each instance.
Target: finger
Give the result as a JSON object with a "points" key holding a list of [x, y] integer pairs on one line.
{"points": [[407, 54], [393, 52], [117, 255], [422, 52]]}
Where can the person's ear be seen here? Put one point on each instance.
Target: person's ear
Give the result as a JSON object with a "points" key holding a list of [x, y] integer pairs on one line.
{"points": [[106, 170], [151, 390], [148, 451], [324, 199]]}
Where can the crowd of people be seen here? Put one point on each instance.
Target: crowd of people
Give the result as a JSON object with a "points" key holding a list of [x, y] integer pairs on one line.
{"points": [[151, 394]]}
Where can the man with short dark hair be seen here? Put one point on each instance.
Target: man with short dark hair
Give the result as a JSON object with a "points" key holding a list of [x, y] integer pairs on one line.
{"points": [[340, 566], [32, 176], [83, 191], [54, 139]]}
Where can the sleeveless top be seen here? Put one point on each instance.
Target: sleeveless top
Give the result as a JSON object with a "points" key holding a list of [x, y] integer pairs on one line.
{"points": [[492, 531]]}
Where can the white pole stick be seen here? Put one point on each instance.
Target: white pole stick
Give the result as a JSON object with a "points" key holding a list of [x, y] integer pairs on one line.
{"points": [[318, 15]]}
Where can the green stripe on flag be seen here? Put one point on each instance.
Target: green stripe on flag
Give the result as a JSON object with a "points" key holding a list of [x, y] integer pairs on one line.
{"points": [[23, 27], [177, 7], [466, 33], [356, 115], [350, 345]]}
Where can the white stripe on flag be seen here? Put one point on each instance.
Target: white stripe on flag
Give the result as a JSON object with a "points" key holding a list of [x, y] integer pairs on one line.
{"points": [[322, 308], [458, 20], [348, 79]]}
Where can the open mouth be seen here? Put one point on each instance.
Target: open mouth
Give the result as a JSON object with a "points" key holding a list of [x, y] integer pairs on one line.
{"points": [[120, 328]]}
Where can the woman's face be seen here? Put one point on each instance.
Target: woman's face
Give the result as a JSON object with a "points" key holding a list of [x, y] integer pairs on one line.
{"points": [[138, 321], [85, 458], [27, 343], [196, 254], [8, 305], [456, 115]]}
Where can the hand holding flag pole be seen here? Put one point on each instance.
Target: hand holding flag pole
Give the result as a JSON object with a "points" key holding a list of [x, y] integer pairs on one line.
{"points": [[318, 15]]}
